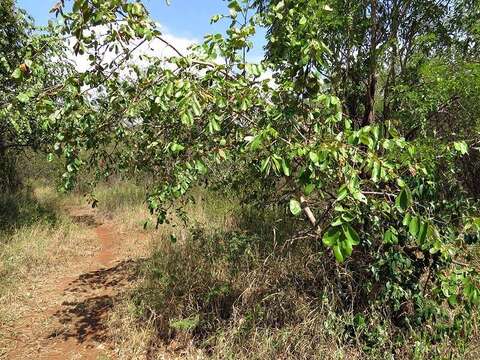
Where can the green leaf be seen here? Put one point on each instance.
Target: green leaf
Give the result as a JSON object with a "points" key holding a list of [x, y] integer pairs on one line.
{"points": [[432, 233], [215, 18], [337, 222], [265, 167], [280, 5], [461, 147], [358, 195], [347, 247], [213, 126], [406, 219], [285, 168], [234, 5], [308, 189], [196, 107], [177, 147], [187, 324], [376, 171], [390, 237], [243, 105], [254, 69], [342, 193], [17, 73], [366, 140], [200, 167], [276, 162], [295, 207], [351, 234], [256, 142], [414, 226], [331, 236], [23, 98], [404, 199], [338, 253], [313, 157], [452, 300], [187, 118], [422, 232]]}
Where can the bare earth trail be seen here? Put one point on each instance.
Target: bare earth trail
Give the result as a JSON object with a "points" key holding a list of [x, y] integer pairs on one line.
{"points": [[69, 323]]}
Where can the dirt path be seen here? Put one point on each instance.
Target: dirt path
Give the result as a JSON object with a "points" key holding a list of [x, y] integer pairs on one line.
{"points": [[71, 324]]}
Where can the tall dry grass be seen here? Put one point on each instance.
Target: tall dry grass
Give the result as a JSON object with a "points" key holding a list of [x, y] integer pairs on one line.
{"points": [[239, 282], [37, 239], [232, 285]]}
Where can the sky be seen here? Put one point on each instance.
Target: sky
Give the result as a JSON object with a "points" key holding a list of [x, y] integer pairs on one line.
{"points": [[184, 20]]}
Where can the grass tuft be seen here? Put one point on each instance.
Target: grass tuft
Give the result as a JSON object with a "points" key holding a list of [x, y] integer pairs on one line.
{"points": [[37, 237]]}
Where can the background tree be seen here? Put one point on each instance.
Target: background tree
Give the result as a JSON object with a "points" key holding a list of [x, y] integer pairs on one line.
{"points": [[32, 64], [375, 46], [14, 31]]}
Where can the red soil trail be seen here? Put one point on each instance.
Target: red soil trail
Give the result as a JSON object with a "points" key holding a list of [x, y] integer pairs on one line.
{"points": [[74, 328]]}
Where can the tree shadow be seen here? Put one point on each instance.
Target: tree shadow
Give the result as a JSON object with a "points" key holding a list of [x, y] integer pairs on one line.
{"points": [[88, 220], [98, 290], [22, 208]]}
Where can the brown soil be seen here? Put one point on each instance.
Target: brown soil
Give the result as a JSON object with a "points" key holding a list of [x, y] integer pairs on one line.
{"points": [[71, 322]]}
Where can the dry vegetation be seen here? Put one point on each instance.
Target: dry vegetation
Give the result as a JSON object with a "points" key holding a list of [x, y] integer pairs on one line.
{"points": [[220, 288], [223, 289], [47, 239], [39, 242]]}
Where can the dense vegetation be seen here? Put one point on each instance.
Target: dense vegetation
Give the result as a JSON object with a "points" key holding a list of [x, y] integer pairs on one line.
{"points": [[349, 157]]}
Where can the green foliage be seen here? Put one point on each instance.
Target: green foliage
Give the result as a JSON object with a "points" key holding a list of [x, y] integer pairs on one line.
{"points": [[341, 239], [295, 207], [28, 79], [185, 324], [383, 193]]}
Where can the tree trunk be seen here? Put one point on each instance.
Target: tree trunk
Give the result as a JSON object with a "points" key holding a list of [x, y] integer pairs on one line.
{"points": [[369, 114], [391, 77]]}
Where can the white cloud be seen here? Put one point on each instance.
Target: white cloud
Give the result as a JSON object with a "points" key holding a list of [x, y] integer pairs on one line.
{"points": [[154, 48]]}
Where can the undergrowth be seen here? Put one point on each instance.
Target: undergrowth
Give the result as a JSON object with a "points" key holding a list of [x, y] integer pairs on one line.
{"points": [[229, 281], [37, 237], [242, 283]]}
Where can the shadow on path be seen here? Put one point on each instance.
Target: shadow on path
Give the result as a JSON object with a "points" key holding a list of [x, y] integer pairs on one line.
{"points": [[88, 220], [96, 291]]}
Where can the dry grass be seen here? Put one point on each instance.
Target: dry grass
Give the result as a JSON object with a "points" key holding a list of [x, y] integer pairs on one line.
{"points": [[195, 276], [230, 281], [46, 242], [132, 340], [232, 286], [123, 203], [191, 274], [41, 240], [248, 307]]}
